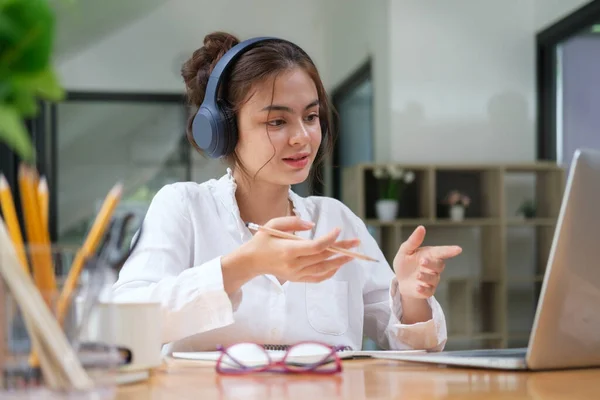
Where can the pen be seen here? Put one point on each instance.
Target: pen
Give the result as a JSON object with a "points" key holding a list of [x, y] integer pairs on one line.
{"points": [[286, 235]]}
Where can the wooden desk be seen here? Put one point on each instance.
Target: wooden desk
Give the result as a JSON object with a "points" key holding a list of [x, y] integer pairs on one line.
{"points": [[365, 379]]}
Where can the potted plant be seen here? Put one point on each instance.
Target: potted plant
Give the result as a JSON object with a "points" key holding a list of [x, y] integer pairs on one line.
{"points": [[457, 203], [392, 181], [26, 73], [527, 209]]}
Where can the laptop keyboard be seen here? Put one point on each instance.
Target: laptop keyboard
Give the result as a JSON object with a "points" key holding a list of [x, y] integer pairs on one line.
{"points": [[508, 353]]}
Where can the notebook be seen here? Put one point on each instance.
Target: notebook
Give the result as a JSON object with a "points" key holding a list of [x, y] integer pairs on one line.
{"points": [[276, 353]]}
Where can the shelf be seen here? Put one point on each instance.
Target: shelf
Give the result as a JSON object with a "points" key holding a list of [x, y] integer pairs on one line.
{"points": [[519, 335], [543, 186], [489, 293], [479, 336], [526, 279], [473, 279], [539, 166], [531, 222]]}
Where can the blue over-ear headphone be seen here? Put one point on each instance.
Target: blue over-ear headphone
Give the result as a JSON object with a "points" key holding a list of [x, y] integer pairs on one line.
{"points": [[214, 128]]}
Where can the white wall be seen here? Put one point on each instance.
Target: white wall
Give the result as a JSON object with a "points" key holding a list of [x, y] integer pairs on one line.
{"points": [[147, 55], [82, 23], [547, 12], [463, 78], [359, 29], [462, 81]]}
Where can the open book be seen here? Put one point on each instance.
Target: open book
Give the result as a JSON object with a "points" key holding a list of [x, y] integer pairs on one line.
{"points": [[301, 355]]}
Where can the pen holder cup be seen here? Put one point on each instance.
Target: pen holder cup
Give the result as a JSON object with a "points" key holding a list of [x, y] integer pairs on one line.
{"points": [[82, 369]]}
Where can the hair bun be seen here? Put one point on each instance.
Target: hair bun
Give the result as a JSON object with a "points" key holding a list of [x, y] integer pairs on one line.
{"points": [[196, 70]]}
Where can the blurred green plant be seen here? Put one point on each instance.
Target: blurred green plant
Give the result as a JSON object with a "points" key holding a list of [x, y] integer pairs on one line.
{"points": [[527, 209], [26, 71]]}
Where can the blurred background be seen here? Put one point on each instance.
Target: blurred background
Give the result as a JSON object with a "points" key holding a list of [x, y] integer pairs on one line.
{"points": [[426, 84]]}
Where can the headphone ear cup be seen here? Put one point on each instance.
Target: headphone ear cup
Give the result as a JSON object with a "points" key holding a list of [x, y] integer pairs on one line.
{"points": [[230, 124]]}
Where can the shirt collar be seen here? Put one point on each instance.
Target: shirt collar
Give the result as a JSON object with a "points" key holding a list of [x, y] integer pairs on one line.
{"points": [[226, 187]]}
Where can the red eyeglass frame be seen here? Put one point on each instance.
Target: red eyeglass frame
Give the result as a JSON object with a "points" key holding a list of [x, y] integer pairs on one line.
{"points": [[282, 365]]}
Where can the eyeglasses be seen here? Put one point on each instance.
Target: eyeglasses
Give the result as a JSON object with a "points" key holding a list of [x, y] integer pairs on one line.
{"points": [[312, 357]]}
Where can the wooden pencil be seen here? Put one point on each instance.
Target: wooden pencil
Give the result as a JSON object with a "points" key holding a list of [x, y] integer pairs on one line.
{"points": [[12, 222], [39, 241], [42, 193], [286, 235], [39, 246], [88, 249]]}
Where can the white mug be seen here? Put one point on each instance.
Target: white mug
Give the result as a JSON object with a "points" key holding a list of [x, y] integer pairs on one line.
{"points": [[133, 325]]}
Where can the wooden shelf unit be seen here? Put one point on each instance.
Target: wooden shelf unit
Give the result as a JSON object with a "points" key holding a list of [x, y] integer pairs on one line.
{"points": [[481, 307]]}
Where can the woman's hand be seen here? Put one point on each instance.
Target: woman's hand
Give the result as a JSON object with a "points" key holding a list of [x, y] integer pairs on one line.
{"points": [[418, 269], [290, 260]]}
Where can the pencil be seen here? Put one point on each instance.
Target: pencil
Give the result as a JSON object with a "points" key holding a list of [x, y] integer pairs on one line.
{"points": [[39, 240], [42, 193], [39, 243], [286, 235], [12, 222], [89, 248]]}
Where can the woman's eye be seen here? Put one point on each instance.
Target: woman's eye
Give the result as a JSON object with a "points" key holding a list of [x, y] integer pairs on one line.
{"points": [[276, 122], [312, 117]]}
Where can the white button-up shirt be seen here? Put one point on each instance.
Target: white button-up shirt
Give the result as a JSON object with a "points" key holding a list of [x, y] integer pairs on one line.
{"points": [[190, 226]]}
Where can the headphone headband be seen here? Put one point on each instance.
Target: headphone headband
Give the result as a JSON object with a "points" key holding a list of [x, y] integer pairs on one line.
{"points": [[228, 59]]}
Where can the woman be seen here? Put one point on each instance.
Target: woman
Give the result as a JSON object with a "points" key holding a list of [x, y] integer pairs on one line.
{"points": [[220, 283]]}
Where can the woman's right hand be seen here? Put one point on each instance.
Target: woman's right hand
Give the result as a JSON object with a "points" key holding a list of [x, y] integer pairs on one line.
{"points": [[293, 260]]}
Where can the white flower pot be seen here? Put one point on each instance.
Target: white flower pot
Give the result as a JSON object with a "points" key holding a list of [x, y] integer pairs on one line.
{"points": [[457, 213], [386, 209]]}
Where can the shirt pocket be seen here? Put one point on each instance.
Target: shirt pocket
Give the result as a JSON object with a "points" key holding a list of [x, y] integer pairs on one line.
{"points": [[327, 306]]}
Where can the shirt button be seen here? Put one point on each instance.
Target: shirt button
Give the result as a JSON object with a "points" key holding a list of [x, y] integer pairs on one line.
{"points": [[274, 331]]}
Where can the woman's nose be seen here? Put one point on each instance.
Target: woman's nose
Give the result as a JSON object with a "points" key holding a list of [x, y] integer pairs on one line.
{"points": [[300, 136]]}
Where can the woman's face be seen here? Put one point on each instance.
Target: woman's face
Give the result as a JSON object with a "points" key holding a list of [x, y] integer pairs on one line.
{"points": [[279, 128]]}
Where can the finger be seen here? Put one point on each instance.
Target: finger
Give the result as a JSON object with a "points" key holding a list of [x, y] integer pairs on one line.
{"points": [[324, 267], [442, 252], [347, 243], [344, 244], [306, 247], [429, 280], [289, 224], [304, 261], [414, 241], [432, 266], [425, 291]]}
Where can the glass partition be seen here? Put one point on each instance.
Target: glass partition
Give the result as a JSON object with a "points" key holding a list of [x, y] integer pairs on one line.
{"points": [[100, 143]]}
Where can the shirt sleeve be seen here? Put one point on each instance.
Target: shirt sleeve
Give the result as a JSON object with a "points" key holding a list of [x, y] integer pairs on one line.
{"points": [[160, 269], [383, 307]]}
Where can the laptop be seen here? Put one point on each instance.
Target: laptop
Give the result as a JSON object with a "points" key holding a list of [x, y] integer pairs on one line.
{"points": [[566, 327]]}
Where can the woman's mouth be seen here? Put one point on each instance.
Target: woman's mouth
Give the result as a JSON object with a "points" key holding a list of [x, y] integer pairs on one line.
{"points": [[297, 161]]}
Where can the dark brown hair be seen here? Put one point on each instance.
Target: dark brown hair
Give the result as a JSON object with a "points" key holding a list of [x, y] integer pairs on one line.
{"points": [[263, 61]]}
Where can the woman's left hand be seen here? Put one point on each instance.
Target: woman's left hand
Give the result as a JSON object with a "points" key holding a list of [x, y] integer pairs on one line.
{"points": [[417, 268]]}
